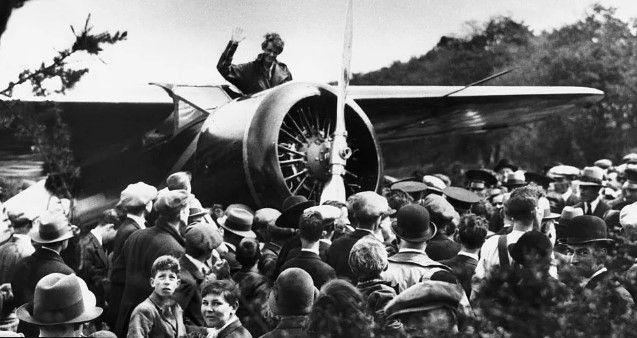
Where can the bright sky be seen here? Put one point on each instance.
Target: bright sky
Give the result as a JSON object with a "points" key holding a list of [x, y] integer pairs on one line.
{"points": [[179, 41]]}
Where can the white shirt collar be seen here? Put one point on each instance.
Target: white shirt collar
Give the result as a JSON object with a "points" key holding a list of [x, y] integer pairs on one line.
{"points": [[468, 254], [311, 250], [567, 194], [199, 264], [411, 250], [232, 320], [595, 203], [366, 230], [97, 235], [325, 240], [140, 220], [230, 246]]}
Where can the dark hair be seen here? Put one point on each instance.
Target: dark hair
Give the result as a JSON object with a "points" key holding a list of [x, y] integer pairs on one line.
{"points": [[311, 226], [276, 41], [482, 208], [521, 205], [248, 252], [398, 199], [178, 180], [340, 310], [472, 231], [135, 210], [224, 287], [337, 204], [111, 216], [163, 263]]}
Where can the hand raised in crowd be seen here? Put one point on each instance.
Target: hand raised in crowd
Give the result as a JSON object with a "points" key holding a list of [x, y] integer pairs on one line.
{"points": [[238, 35]]}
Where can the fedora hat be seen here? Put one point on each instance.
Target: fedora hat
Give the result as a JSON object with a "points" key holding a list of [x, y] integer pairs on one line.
{"points": [[505, 163], [137, 195], [52, 227], [291, 210], [630, 158], [413, 225], [591, 177], [514, 180], [239, 222], [587, 229], [197, 212], [60, 299], [539, 179], [604, 163], [530, 242], [481, 176]]}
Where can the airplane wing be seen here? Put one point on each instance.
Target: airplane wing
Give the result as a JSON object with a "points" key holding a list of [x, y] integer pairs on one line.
{"points": [[402, 113]]}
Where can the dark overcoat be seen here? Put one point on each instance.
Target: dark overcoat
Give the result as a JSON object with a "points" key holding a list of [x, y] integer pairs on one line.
{"points": [[139, 252], [338, 253], [320, 271]]}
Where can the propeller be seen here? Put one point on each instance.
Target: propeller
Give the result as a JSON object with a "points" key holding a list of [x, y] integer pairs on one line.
{"points": [[339, 153]]}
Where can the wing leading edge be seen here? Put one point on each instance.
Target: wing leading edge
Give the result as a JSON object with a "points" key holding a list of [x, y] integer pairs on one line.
{"points": [[402, 113]]}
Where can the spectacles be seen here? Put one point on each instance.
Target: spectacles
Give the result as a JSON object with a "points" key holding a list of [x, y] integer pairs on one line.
{"points": [[578, 251]]}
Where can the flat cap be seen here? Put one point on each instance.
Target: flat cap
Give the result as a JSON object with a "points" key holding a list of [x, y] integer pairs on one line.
{"points": [[424, 296], [604, 163], [628, 216], [171, 201], [563, 171], [137, 195], [202, 236], [630, 158], [368, 203]]}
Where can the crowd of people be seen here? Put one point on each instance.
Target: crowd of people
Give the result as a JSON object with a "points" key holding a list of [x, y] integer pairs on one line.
{"points": [[498, 252]]}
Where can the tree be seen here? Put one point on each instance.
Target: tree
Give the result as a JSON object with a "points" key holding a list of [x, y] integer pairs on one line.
{"points": [[43, 125]]}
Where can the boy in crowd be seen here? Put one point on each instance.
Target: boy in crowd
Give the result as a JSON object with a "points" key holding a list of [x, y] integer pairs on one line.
{"points": [[159, 315], [219, 307]]}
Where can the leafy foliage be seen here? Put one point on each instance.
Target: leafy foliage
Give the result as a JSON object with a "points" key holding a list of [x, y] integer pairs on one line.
{"points": [[598, 51], [43, 123]]}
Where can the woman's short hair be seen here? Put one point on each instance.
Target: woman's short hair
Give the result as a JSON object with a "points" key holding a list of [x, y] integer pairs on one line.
{"points": [[368, 258], [226, 288], [276, 41]]}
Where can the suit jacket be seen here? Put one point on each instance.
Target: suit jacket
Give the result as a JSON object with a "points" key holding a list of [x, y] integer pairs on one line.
{"points": [[147, 320], [251, 77], [118, 275], [11, 253], [290, 327], [463, 267], [338, 253], [94, 267], [188, 294], [408, 268], [600, 211], [234, 330], [441, 247], [28, 273], [139, 252], [320, 271]]}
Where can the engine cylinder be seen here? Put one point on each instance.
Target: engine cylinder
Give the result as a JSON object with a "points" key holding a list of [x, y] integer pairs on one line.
{"points": [[260, 149]]}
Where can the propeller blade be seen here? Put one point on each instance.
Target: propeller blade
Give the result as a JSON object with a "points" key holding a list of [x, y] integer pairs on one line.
{"points": [[335, 187]]}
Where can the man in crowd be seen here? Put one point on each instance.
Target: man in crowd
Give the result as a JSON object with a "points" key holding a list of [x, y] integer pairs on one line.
{"points": [[144, 246], [471, 234], [311, 226], [236, 227], [17, 246], [292, 298], [411, 264], [200, 239], [366, 211], [523, 210], [589, 186], [263, 73], [61, 304], [94, 263], [52, 236], [629, 188]]}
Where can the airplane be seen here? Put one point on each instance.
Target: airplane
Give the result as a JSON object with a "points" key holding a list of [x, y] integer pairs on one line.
{"points": [[260, 149]]}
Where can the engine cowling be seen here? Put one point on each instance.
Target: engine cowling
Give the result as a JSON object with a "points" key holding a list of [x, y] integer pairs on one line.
{"points": [[260, 149]]}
